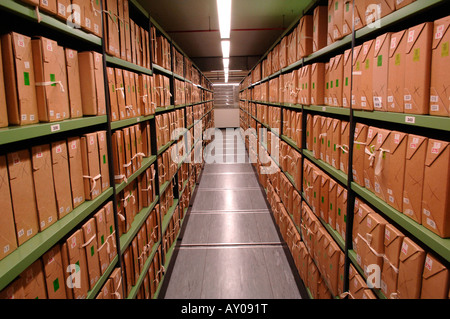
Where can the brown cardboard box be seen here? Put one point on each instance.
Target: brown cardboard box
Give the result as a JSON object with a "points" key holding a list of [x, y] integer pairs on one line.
{"points": [[402, 3], [338, 19], [336, 80], [416, 152], [62, 12], [34, 282], [92, 87], [67, 274], [382, 168], [121, 20], [19, 79], [436, 188], [395, 181], [91, 166], [14, 290], [144, 97], [61, 176], [320, 27], [128, 96], [128, 265], [317, 83], [110, 229], [120, 91], [346, 78], [73, 83], [135, 109], [8, 241], [334, 138], [332, 200], [283, 52], [91, 249], [292, 48], [324, 197], [76, 170], [332, 274], [315, 183], [380, 69], [435, 279], [305, 39], [365, 96], [21, 183], [327, 91], [359, 13], [117, 283], [51, 80], [111, 25], [316, 132], [103, 155], [377, 9], [440, 63], [54, 276], [359, 227], [328, 141], [357, 72], [345, 139], [389, 279], [330, 38], [79, 279], [341, 216], [358, 153], [393, 240], [3, 108], [102, 240], [417, 71], [396, 77], [348, 16], [374, 238], [410, 270], [114, 107], [127, 150], [369, 158]]}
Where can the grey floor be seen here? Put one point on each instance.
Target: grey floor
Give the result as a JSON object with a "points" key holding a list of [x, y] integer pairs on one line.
{"points": [[230, 247]]}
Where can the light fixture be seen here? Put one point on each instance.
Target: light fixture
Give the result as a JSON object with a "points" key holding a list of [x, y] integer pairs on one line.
{"points": [[226, 77], [226, 63], [226, 49], [224, 13]]}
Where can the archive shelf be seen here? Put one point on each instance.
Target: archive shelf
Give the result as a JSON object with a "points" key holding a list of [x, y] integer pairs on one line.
{"points": [[117, 62], [127, 122], [13, 264], [103, 278], [335, 173], [13, 134], [26, 11], [146, 162]]}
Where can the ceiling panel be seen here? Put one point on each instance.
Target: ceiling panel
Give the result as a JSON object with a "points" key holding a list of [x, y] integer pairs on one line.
{"points": [[193, 25]]}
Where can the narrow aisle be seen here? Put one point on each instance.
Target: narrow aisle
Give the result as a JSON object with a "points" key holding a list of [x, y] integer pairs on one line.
{"points": [[230, 247]]}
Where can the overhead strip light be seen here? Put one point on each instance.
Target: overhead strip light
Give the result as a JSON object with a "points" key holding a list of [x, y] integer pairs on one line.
{"points": [[226, 63], [226, 49], [224, 13]]}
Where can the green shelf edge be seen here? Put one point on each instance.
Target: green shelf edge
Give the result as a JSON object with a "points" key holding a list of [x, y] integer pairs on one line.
{"points": [[15, 263], [128, 122], [99, 285], [335, 173], [26, 11], [135, 289], [162, 70], [440, 246], [118, 62], [146, 163], [352, 257], [327, 109], [13, 134], [139, 220], [167, 259]]}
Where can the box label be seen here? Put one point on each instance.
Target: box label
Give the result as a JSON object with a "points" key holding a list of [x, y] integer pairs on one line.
{"points": [[26, 78], [444, 51]]}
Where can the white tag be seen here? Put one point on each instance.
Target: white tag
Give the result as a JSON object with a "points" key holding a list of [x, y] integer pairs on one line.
{"points": [[428, 263], [387, 234], [55, 128], [434, 107], [431, 223], [61, 9], [405, 248], [411, 36], [407, 97], [20, 41], [49, 46], [26, 64], [439, 31]]}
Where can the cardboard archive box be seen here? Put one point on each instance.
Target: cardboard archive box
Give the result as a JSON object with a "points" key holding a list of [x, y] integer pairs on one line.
{"points": [[359, 153], [380, 65], [53, 271], [22, 186], [305, 37], [346, 78], [51, 80], [416, 153], [90, 65], [8, 242], [336, 80], [440, 64], [369, 158], [91, 166], [393, 240], [19, 79], [338, 19], [345, 140], [102, 240], [61, 176], [111, 26], [396, 75], [412, 259], [320, 27], [91, 248], [79, 283], [436, 188], [113, 92], [73, 83], [33, 281], [435, 279], [76, 170], [382, 167], [395, 181], [357, 73], [317, 83], [3, 108], [103, 156], [418, 69]]}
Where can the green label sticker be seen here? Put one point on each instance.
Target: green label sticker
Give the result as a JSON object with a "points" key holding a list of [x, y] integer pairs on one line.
{"points": [[346, 81], [104, 159], [397, 59], [334, 147], [339, 211], [347, 6], [367, 64], [358, 146], [55, 285], [110, 229], [323, 199], [336, 6], [329, 143], [357, 66], [102, 239], [113, 88], [315, 140], [314, 194], [345, 218], [331, 84], [26, 78], [331, 206], [329, 18], [303, 86], [327, 86], [337, 83], [306, 85], [53, 79], [314, 85], [444, 51], [380, 60], [416, 56], [92, 250], [77, 268]]}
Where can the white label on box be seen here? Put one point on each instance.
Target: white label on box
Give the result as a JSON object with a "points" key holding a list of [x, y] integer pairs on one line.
{"points": [[32, 117], [397, 138], [439, 31], [91, 140], [24, 117], [20, 233], [62, 9], [377, 188], [5, 249], [52, 112], [58, 116], [42, 224], [391, 199], [407, 97], [39, 154], [393, 43], [73, 145], [29, 232], [390, 99], [20, 41], [436, 147], [405, 248], [428, 263], [344, 101], [410, 119], [49, 46], [411, 36], [431, 223], [367, 183], [434, 107], [50, 219], [426, 212], [369, 222], [61, 210], [434, 98], [45, 3], [73, 244], [406, 200], [88, 23], [55, 128], [26, 64], [387, 234], [96, 29], [58, 149]]}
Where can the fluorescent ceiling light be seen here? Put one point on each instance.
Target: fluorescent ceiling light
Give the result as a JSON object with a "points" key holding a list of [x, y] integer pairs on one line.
{"points": [[226, 63], [226, 49], [225, 84], [224, 13], [226, 77]]}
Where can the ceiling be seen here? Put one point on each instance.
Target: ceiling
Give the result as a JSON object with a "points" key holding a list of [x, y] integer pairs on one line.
{"points": [[194, 26]]}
